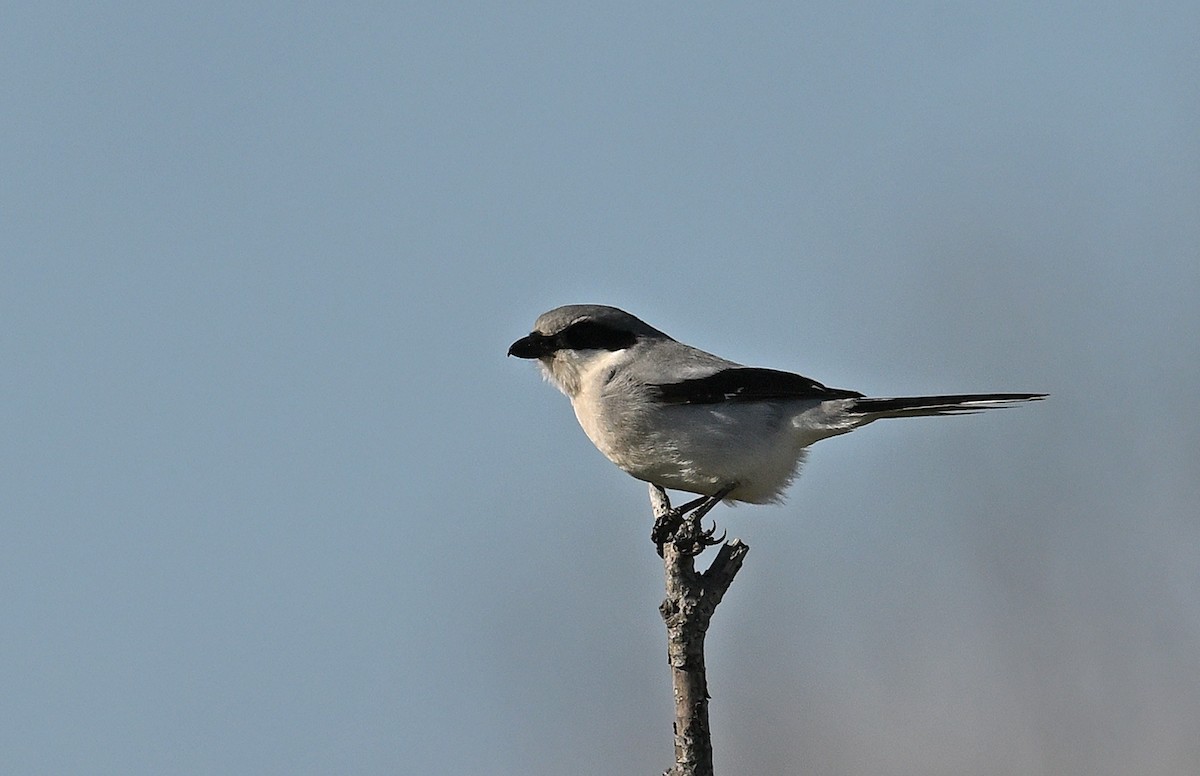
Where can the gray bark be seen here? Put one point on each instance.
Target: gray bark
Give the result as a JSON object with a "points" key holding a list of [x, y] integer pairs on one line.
{"points": [[687, 611]]}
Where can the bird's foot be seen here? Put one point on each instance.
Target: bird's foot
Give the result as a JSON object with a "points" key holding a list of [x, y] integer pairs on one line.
{"points": [[668, 522], [692, 538], [665, 527], [682, 525]]}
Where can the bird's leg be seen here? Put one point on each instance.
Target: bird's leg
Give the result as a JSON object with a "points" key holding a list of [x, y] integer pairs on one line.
{"points": [[689, 533]]}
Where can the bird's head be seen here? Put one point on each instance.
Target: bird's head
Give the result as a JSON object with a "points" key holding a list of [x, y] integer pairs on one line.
{"points": [[569, 340]]}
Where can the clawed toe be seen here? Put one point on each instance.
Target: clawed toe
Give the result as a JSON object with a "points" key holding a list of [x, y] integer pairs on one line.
{"points": [[710, 536]]}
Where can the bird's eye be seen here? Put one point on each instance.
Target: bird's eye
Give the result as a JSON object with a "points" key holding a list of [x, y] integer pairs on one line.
{"points": [[593, 335]]}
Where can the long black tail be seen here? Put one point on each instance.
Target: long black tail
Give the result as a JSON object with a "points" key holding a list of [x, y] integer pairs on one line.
{"points": [[955, 404]]}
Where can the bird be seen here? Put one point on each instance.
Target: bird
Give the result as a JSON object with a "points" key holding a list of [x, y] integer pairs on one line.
{"points": [[683, 419]]}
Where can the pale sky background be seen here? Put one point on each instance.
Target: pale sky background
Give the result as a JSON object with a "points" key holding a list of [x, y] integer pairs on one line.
{"points": [[273, 500]]}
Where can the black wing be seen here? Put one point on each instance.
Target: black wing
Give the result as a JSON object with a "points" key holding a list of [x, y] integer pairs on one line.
{"points": [[740, 384]]}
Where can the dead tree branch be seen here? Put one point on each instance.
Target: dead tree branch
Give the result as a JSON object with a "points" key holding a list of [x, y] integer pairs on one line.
{"points": [[687, 611]]}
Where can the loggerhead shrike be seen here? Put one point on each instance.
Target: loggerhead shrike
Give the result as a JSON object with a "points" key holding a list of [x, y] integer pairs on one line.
{"points": [[683, 419]]}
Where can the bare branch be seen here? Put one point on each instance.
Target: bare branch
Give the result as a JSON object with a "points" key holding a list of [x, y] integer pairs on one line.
{"points": [[687, 611]]}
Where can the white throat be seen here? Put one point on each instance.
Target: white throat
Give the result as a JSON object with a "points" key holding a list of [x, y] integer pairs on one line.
{"points": [[571, 373]]}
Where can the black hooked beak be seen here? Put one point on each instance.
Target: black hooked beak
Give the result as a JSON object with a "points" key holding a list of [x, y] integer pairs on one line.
{"points": [[534, 346]]}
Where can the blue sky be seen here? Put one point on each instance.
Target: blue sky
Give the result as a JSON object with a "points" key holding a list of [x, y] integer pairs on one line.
{"points": [[273, 501]]}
